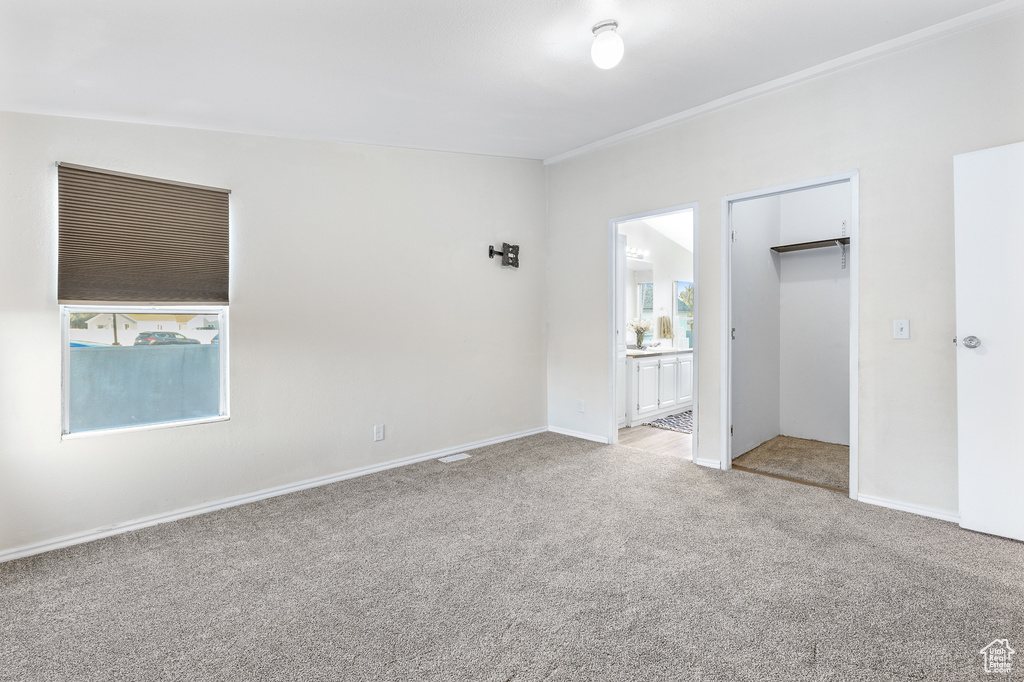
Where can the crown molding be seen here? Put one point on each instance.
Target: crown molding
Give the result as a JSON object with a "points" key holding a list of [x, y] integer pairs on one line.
{"points": [[955, 25]]}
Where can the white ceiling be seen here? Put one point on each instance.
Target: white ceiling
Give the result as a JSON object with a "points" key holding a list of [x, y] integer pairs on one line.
{"points": [[481, 76], [676, 226]]}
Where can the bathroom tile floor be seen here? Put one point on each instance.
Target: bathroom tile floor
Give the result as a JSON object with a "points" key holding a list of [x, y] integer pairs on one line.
{"points": [[660, 441]]}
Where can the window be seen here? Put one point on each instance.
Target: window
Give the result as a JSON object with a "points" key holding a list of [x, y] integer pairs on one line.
{"points": [[128, 374], [143, 283], [682, 313], [645, 305]]}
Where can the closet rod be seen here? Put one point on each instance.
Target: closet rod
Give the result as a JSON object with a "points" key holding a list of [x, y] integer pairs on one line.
{"points": [[786, 248]]}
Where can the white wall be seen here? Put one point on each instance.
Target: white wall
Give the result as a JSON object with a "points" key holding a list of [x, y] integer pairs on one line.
{"points": [[899, 120], [755, 316], [356, 239], [814, 294]]}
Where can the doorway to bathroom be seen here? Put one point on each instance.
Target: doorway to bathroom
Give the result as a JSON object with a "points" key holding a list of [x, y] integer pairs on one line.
{"points": [[653, 335]]}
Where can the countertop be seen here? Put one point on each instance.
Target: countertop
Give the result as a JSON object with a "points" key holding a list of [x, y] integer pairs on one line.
{"points": [[652, 352]]}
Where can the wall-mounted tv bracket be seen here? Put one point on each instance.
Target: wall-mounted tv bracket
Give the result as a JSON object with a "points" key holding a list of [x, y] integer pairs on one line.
{"points": [[509, 254]]}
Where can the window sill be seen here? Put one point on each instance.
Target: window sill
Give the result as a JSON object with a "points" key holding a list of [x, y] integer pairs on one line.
{"points": [[143, 427]]}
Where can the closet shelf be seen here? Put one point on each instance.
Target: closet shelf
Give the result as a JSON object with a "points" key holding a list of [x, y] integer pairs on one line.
{"points": [[786, 248]]}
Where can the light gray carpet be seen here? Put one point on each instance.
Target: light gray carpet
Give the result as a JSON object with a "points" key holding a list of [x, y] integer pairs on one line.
{"points": [[807, 460], [548, 558]]}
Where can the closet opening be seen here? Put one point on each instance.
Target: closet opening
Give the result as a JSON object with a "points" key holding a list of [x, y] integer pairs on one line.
{"points": [[654, 330], [790, 332]]}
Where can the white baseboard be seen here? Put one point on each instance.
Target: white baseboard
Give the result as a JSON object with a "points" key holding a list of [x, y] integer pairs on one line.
{"points": [[912, 508], [127, 526], [578, 434], [710, 463]]}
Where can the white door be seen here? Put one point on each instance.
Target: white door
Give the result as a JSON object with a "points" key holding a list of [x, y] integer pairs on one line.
{"points": [[667, 382], [989, 233], [647, 386], [755, 332]]}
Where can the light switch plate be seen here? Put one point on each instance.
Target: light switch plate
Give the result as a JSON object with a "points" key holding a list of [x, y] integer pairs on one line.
{"points": [[901, 329]]}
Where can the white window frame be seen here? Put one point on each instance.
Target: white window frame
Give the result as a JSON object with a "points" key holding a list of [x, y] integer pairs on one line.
{"points": [[675, 310], [199, 309]]}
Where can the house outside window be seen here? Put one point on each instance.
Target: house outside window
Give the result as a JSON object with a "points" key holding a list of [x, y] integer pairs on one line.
{"points": [[130, 373]]}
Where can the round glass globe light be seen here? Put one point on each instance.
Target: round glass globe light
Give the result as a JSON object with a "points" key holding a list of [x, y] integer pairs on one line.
{"points": [[607, 49]]}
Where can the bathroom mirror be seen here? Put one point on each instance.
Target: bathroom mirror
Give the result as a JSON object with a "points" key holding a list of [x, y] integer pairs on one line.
{"points": [[639, 294]]}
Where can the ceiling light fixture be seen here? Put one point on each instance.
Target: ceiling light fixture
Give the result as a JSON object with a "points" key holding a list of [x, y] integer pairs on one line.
{"points": [[607, 49]]}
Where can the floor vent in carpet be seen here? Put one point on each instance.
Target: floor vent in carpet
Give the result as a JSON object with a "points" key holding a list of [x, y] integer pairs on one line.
{"points": [[453, 458]]}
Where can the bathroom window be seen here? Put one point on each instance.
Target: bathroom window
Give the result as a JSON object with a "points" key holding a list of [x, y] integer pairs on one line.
{"points": [[645, 305], [683, 314]]}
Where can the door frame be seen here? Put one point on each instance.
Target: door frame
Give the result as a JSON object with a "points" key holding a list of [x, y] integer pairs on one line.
{"points": [[853, 261], [614, 290]]}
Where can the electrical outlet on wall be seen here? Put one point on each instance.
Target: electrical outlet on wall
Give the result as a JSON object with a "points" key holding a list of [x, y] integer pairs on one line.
{"points": [[378, 432]]}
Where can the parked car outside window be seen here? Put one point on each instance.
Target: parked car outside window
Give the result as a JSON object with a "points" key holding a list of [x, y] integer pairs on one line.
{"points": [[162, 339]]}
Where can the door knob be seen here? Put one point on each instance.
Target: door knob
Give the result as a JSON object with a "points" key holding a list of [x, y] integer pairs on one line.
{"points": [[971, 342]]}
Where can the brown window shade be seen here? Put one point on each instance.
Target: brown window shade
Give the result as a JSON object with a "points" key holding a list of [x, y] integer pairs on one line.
{"points": [[140, 240]]}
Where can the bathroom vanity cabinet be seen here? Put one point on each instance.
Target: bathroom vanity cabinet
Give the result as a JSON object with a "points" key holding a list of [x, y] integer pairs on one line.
{"points": [[657, 384]]}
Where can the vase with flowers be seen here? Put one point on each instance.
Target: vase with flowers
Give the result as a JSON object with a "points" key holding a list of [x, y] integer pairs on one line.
{"points": [[640, 327]]}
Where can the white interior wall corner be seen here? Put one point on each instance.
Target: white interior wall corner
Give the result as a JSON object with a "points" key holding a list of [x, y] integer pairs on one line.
{"points": [[361, 294], [814, 292], [898, 120]]}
